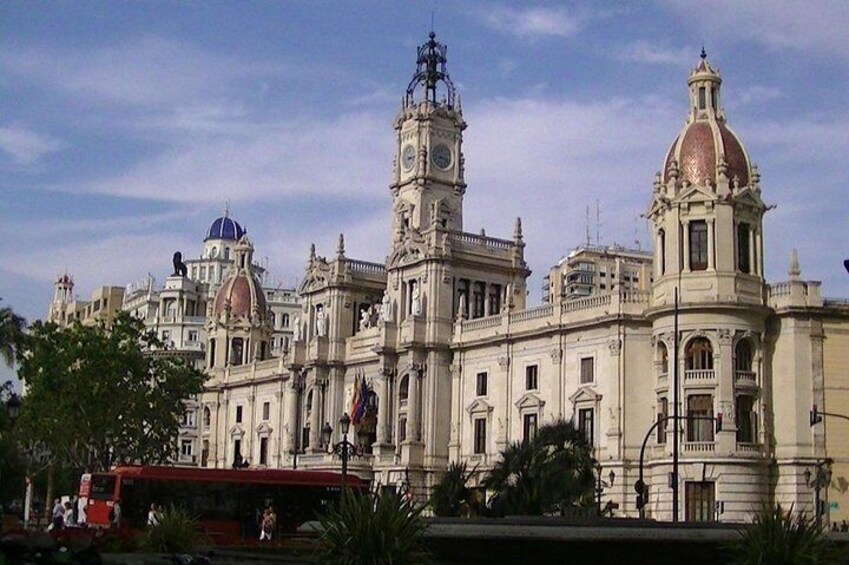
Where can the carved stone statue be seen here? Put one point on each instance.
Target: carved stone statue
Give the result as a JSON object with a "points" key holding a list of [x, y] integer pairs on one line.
{"points": [[416, 306], [365, 319], [296, 331], [320, 322], [385, 313], [180, 268]]}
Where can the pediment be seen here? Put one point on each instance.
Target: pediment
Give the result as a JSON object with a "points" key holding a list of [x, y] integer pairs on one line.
{"points": [[317, 277], [529, 400], [236, 431], [264, 429], [748, 197], [585, 394], [697, 193], [479, 406]]}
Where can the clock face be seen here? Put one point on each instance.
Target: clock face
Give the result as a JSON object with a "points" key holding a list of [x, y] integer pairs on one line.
{"points": [[441, 156], [408, 157]]}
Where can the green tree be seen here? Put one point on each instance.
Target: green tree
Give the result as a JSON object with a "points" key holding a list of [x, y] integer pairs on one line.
{"points": [[98, 394], [783, 538], [11, 333], [544, 475], [368, 529], [451, 493]]}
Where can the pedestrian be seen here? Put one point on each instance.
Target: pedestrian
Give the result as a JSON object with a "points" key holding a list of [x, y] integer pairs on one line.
{"points": [[269, 521], [75, 505], [115, 515], [153, 518], [68, 516], [58, 514]]}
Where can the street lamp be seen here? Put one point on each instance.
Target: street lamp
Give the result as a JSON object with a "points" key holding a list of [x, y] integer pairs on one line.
{"points": [[13, 408], [818, 481], [601, 484], [344, 449]]}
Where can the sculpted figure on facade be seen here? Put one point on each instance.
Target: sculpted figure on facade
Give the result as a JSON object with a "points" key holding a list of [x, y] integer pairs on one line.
{"points": [[320, 322], [296, 329], [416, 306]]}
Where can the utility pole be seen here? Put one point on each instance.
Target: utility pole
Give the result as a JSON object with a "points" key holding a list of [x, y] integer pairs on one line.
{"points": [[676, 417]]}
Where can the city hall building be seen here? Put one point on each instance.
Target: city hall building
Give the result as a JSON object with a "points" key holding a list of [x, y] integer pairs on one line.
{"points": [[440, 359]]}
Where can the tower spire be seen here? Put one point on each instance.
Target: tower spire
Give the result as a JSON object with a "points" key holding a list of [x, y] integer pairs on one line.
{"points": [[430, 71]]}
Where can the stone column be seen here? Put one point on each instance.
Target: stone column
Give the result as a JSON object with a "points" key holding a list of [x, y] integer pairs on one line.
{"points": [[754, 267], [414, 405], [291, 415], [710, 234], [686, 226], [383, 405], [315, 418]]}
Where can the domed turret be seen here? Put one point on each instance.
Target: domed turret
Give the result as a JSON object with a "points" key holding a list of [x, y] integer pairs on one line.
{"points": [[226, 228], [706, 152], [241, 293]]}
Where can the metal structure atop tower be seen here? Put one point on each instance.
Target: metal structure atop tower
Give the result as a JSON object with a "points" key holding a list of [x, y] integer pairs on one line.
{"points": [[430, 70]]}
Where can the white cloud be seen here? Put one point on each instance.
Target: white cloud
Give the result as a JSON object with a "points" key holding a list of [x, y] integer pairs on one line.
{"points": [[646, 52], [790, 24], [147, 72], [532, 22], [25, 146]]}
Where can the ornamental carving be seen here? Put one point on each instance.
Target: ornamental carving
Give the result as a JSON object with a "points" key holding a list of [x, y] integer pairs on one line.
{"points": [[503, 362], [556, 355], [724, 336], [615, 346]]}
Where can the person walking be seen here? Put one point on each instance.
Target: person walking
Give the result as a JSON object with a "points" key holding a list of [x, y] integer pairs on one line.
{"points": [[58, 515], [68, 516], [269, 522], [153, 517], [115, 515]]}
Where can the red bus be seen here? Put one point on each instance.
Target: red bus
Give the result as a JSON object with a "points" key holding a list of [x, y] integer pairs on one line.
{"points": [[226, 501]]}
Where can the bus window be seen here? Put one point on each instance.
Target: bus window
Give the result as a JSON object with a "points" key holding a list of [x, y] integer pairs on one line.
{"points": [[102, 487]]}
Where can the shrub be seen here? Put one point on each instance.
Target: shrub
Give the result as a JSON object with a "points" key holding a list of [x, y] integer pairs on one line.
{"points": [[777, 537], [451, 494], [178, 532], [366, 528]]}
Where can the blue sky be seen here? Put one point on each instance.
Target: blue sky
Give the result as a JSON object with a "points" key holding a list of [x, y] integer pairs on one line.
{"points": [[124, 127]]}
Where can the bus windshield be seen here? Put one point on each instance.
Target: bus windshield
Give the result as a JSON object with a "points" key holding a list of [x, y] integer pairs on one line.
{"points": [[102, 487]]}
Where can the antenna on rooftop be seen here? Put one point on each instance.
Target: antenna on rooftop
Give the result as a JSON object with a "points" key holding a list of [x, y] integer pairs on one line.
{"points": [[587, 226], [597, 223]]}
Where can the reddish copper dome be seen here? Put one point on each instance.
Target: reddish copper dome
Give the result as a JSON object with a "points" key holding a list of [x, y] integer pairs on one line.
{"points": [[698, 148], [242, 292]]}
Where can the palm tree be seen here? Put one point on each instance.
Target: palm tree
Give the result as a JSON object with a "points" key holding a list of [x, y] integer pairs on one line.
{"points": [[545, 474], [452, 492], [11, 332]]}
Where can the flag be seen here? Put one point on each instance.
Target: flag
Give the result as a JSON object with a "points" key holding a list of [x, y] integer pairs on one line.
{"points": [[355, 399], [362, 401]]}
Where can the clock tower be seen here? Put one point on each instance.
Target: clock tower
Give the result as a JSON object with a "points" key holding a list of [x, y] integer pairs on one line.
{"points": [[428, 183]]}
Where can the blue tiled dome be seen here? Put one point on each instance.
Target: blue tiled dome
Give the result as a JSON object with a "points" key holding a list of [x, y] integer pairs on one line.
{"points": [[225, 228]]}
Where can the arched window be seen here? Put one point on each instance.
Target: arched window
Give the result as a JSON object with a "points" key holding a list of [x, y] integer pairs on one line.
{"points": [[207, 417], [271, 319], [404, 389], [743, 356], [663, 358], [284, 320], [699, 355]]}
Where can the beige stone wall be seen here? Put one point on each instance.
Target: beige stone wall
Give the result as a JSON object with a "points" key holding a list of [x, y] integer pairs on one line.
{"points": [[836, 392]]}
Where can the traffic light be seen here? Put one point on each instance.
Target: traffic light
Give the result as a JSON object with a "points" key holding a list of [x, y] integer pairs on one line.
{"points": [[640, 502], [642, 494], [816, 417]]}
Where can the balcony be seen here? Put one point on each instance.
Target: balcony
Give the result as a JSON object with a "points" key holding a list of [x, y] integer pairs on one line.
{"points": [[699, 375], [745, 378], [749, 447], [699, 446]]}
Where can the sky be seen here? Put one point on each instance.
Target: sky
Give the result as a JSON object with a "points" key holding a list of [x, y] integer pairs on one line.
{"points": [[125, 127]]}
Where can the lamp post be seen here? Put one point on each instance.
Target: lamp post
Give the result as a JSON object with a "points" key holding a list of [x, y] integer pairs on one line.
{"points": [[344, 449], [600, 484], [818, 481]]}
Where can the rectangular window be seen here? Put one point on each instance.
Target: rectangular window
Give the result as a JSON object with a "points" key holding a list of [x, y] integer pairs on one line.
{"points": [[402, 429], [700, 501], [702, 98], [478, 300], [480, 385], [699, 412], [193, 336], [585, 424], [531, 377], [662, 414], [480, 435], [529, 427], [189, 419], [747, 428], [698, 245], [266, 410], [494, 299], [166, 336], [186, 448], [239, 414], [587, 370], [743, 263], [263, 451], [305, 437]]}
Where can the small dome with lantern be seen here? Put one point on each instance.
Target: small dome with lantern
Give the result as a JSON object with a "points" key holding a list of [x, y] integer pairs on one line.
{"points": [[706, 149], [241, 295]]}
